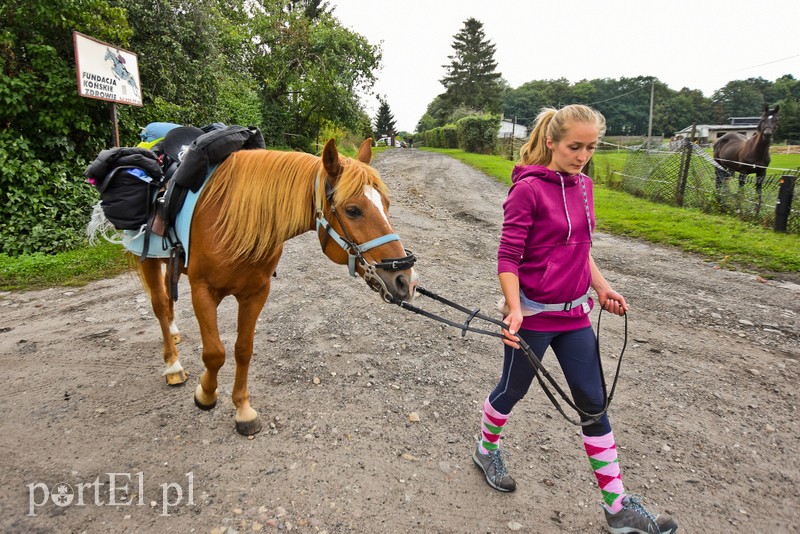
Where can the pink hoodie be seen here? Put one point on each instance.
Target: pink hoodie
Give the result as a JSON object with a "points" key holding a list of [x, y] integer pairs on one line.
{"points": [[546, 239]]}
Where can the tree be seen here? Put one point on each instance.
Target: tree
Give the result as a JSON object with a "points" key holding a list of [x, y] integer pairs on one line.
{"points": [[191, 63], [310, 70], [677, 110], [524, 103], [48, 132], [789, 121], [435, 115], [471, 79], [739, 98], [384, 120]]}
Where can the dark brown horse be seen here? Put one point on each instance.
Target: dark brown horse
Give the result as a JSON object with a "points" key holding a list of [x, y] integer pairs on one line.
{"points": [[747, 156]]}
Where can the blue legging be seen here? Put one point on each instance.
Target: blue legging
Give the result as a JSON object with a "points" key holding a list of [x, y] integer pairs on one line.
{"points": [[576, 351]]}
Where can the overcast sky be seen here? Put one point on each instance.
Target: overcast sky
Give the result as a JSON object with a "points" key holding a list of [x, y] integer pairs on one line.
{"points": [[700, 44]]}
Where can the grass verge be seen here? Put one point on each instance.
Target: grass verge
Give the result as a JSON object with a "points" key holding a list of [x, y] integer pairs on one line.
{"points": [[73, 268]]}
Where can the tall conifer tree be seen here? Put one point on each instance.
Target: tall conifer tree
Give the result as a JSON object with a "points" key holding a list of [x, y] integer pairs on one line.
{"points": [[471, 79], [384, 120]]}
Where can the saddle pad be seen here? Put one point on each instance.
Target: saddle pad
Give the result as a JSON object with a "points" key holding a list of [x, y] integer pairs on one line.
{"points": [[133, 241]]}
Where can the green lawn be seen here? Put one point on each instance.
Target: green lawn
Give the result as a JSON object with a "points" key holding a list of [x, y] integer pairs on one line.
{"points": [[73, 268]]}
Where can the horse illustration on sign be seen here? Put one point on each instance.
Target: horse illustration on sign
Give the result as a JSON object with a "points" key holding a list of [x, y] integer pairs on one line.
{"points": [[119, 69]]}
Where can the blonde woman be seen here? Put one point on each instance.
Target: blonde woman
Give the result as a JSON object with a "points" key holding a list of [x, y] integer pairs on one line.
{"points": [[546, 270]]}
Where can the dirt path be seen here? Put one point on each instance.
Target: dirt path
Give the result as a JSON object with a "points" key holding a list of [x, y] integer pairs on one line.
{"points": [[705, 413]]}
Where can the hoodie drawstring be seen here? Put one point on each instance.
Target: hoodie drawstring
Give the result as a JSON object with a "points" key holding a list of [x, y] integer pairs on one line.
{"points": [[566, 210], [585, 205]]}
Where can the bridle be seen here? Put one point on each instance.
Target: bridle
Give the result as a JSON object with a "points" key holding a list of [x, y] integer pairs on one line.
{"points": [[355, 252]]}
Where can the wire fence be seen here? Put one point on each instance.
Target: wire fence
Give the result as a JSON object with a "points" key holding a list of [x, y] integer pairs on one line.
{"points": [[684, 174]]}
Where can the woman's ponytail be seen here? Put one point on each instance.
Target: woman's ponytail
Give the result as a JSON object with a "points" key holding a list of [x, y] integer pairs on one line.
{"points": [[535, 151]]}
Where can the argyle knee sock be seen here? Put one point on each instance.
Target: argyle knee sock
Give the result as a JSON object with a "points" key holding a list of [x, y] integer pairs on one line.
{"points": [[602, 451], [491, 426]]}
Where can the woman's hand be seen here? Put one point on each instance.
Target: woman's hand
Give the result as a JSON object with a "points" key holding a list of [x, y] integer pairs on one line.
{"points": [[514, 322], [613, 302], [609, 300]]}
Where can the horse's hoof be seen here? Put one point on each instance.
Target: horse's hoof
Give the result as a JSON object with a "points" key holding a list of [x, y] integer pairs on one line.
{"points": [[175, 374], [176, 338], [209, 403], [249, 428], [176, 379], [205, 407]]}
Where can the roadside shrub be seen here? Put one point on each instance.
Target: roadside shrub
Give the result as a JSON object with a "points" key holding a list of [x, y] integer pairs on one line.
{"points": [[478, 133], [44, 204], [443, 137]]}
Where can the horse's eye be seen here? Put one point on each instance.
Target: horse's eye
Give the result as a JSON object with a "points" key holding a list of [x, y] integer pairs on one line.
{"points": [[352, 211]]}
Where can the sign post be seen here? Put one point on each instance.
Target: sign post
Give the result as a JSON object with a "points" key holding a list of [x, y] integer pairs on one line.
{"points": [[106, 72]]}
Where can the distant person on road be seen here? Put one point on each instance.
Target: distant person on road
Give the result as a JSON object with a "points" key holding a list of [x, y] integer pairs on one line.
{"points": [[545, 270]]}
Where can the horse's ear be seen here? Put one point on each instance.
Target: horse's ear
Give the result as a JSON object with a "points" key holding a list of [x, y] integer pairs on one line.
{"points": [[766, 108], [365, 151], [330, 160], [775, 111]]}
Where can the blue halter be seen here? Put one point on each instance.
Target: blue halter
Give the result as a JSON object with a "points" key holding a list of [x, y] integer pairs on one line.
{"points": [[354, 251]]}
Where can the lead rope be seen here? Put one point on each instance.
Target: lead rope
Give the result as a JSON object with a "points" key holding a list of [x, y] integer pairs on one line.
{"points": [[539, 371]]}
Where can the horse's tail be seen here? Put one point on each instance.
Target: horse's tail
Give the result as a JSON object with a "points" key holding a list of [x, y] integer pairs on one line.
{"points": [[100, 226]]}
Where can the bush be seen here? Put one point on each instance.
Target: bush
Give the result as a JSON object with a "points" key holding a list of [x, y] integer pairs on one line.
{"points": [[443, 137], [44, 205], [478, 133]]}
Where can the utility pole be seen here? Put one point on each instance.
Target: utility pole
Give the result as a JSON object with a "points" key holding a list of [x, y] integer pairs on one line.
{"points": [[513, 130], [650, 123]]}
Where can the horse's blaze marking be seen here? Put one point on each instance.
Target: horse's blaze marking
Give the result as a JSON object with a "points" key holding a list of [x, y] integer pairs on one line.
{"points": [[375, 198]]}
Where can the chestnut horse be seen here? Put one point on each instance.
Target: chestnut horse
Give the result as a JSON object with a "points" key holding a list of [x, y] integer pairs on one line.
{"points": [[747, 156], [253, 202]]}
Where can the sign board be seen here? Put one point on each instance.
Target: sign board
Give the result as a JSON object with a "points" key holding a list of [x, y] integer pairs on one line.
{"points": [[106, 72]]}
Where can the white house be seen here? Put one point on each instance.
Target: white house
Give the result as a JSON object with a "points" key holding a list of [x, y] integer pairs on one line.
{"points": [[508, 128], [709, 133]]}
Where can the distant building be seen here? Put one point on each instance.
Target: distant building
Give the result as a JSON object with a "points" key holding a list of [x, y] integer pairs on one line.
{"points": [[709, 133], [509, 128]]}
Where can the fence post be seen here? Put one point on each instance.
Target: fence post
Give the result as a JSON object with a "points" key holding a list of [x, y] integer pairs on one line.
{"points": [[683, 172], [784, 205], [588, 169]]}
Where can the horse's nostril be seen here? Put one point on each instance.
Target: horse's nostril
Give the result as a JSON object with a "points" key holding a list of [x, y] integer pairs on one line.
{"points": [[401, 283]]}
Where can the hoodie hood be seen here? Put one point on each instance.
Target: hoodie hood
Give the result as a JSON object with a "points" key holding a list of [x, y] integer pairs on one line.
{"points": [[521, 172], [564, 180]]}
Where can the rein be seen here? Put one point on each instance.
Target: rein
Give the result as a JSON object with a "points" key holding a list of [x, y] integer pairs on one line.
{"points": [[541, 373]]}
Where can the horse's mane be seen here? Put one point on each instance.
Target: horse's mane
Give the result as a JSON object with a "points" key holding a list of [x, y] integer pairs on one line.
{"points": [[265, 197]]}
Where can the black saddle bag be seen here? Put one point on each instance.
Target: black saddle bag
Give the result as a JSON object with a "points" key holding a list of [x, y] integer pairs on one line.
{"points": [[127, 198], [212, 148]]}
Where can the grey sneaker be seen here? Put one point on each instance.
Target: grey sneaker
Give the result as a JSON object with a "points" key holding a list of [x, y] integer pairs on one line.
{"points": [[634, 517], [494, 468]]}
